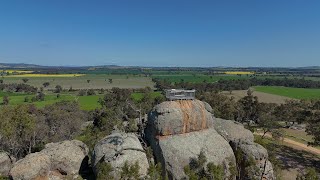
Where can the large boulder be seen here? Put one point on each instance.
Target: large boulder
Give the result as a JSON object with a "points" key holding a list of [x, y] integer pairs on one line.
{"points": [[232, 131], [179, 117], [36, 165], [56, 160], [119, 148], [242, 139], [6, 163], [179, 130], [261, 167], [175, 151]]}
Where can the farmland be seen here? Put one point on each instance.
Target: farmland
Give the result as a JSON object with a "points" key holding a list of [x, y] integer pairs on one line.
{"points": [[197, 78], [296, 93], [96, 81], [85, 102]]}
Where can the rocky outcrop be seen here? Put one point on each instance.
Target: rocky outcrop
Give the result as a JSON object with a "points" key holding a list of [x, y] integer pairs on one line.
{"points": [[179, 117], [232, 130], [119, 148], [176, 151], [242, 140], [6, 163], [56, 160], [179, 130]]}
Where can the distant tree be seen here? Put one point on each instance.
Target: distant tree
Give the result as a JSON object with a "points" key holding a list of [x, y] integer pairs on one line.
{"points": [[58, 89], [26, 99], [313, 128], [268, 123], [110, 80], [5, 100], [91, 92], [1, 81], [88, 81], [40, 96], [33, 99], [25, 80], [58, 96], [82, 92], [46, 84], [101, 91]]}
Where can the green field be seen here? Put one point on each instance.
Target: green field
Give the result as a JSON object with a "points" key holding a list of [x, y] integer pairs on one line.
{"points": [[199, 78], [85, 102], [97, 81], [296, 93], [139, 96]]}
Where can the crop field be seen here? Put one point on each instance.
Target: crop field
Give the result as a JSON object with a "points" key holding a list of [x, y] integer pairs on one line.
{"points": [[89, 81], [238, 72], [296, 93], [197, 78], [45, 75], [85, 102], [263, 97], [16, 71]]}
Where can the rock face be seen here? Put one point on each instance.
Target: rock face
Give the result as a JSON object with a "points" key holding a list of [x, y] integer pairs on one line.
{"points": [[232, 131], [179, 117], [179, 130], [5, 163], [119, 148], [243, 140], [54, 162], [176, 151]]}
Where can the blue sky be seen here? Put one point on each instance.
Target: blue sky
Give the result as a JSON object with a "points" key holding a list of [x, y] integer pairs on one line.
{"points": [[161, 32]]}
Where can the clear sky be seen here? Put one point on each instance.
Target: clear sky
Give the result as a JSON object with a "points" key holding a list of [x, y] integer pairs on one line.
{"points": [[161, 32]]}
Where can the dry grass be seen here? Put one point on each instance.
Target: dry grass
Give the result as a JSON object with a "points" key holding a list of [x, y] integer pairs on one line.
{"points": [[263, 97], [46, 75]]}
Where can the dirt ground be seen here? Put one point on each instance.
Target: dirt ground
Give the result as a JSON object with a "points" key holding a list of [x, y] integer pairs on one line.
{"points": [[295, 156], [263, 97]]}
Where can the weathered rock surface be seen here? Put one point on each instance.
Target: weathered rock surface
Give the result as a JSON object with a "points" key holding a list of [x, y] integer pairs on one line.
{"points": [[232, 130], [176, 151], [243, 139], [119, 148], [179, 130], [6, 163], [33, 166], [179, 117], [63, 158]]}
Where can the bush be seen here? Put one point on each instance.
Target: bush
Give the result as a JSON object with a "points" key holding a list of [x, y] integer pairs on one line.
{"points": [[82, 92], [58, 89], [103, 170], [130, 171], [5, 100], [91, 92]]}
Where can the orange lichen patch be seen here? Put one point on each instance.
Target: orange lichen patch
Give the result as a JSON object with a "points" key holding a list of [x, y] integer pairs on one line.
{"points": [[167, 131], [194, 115]]}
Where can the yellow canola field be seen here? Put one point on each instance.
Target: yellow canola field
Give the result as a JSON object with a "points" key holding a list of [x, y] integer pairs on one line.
{"points": [[17, 71], [238, 72], [46, 75]]}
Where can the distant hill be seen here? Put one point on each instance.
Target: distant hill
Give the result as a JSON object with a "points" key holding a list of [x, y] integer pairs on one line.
{"points": [[18, 66]]}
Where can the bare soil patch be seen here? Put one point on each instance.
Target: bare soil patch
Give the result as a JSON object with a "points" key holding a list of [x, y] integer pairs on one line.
{"points": [[263, 97]]}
